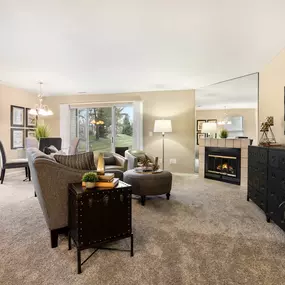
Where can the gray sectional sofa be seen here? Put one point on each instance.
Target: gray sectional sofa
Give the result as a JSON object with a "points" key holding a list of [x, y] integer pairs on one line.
{"points": [[50, 180]]}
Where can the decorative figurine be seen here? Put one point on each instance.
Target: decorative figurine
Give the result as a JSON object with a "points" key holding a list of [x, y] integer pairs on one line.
{"points": [[267, 137]]}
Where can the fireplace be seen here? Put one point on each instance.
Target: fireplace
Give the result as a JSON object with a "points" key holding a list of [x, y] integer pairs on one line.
{"points": [[223, 164]]}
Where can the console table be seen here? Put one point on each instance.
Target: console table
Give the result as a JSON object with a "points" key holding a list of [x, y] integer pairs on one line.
{"points": [[98, 216]]}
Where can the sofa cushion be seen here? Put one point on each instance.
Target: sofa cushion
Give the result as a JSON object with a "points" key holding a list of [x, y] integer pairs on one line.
{"points": [[82, 161], [113, 167], [50, 149]]}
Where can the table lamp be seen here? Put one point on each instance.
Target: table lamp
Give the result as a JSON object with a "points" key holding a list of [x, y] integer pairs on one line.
{"points": [[162, 126], [209, 128]]}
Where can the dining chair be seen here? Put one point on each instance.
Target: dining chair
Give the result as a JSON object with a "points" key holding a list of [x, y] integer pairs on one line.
{"points": [[73, 149], [47, 142], [15, 163]]}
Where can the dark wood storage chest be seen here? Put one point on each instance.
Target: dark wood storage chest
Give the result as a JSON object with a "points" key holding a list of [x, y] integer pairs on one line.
{"points": [[99, 216], [266, 181]]}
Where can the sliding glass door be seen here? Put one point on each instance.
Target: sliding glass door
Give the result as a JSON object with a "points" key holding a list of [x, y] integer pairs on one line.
{"points": [[102, 129]]}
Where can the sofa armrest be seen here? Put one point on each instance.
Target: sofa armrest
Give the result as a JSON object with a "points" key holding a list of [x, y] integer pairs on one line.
{"points": [[132, 160], [51, 181], [121, 161]]}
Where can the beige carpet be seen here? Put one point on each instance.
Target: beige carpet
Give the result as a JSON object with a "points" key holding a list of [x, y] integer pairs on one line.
{"points": [[206, 234]]}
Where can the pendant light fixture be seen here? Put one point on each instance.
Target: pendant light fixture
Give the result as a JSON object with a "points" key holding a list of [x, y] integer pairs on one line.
{"points": [[226, 120], [41, 109]]}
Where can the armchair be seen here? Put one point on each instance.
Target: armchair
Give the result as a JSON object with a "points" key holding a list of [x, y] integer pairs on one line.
{"points": [[113, 161], [133, 157]]}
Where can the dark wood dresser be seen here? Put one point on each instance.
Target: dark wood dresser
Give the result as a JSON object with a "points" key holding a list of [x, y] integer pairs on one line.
{"points": [[266, 181], [276, 186], [257, 176], [99, 216]]}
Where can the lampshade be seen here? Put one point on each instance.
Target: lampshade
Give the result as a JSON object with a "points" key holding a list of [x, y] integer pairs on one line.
{"points": [[162, 126], [41, 109], [209, 128]]}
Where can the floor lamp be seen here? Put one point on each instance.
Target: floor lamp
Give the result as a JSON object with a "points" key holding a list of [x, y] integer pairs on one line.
{"points": [[162, 126]]}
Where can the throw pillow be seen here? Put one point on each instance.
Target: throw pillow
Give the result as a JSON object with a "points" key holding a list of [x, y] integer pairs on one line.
{"points": [[109, 159], [61, 152], [53, 149], [50, 149], [81, 161], [36, 153]]}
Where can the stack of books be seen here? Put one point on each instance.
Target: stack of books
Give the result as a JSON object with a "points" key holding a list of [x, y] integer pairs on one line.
{"points": [[107, 180]]}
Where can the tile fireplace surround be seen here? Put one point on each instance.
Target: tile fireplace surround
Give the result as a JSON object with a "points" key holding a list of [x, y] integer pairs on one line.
{"points": [[228, 143]]}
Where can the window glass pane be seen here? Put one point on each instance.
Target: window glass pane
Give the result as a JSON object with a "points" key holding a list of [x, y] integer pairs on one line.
{"points": [[100, 129], [124, 126]]}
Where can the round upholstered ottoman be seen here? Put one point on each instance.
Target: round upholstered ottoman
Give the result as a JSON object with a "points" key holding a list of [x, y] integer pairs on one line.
{"points": [[149, 184]]}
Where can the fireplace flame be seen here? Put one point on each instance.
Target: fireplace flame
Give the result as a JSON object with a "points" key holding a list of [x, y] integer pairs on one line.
{"points": [[225, 168]]}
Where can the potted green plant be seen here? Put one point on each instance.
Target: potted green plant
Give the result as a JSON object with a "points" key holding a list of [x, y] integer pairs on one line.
{"points": [[42, 131], [224, 133], [90, 179]]}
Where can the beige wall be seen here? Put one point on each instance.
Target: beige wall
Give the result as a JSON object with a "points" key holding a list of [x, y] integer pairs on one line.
{"points": [[249, 119], [271, 94], [179, 106], [12, 96]]}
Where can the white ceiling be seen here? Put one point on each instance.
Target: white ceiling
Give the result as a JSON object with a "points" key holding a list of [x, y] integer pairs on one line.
{"points": [[239, 93], [104, 46]]}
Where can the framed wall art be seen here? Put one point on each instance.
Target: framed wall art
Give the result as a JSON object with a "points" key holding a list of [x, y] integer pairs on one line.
{"points": [[17, 116], [30, 133], [31, 120], [200, 136], [212, 121], [200, 124], [17, 138]]}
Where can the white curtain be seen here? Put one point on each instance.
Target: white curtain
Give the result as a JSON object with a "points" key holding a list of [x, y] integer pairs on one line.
{"points": [[138, 125], [65, 126]]}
